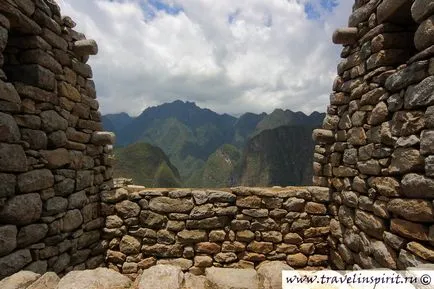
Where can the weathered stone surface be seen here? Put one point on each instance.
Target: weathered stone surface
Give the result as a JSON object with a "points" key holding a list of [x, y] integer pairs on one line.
{"points": [[345, 36], [72, 220], [8, 239], [202, 212], [421, 9], [103, 138], [323, 136], [409, 230], [31, 234], [407, 259], [384, 255], [9, 131], [20, 280], [417, 186], [361, 14], [379, 114], [129, 245], [32, 74], [387, 57], [227, 278], [152, 220], [423, 38], [370, 224], [192, 236], [84, 179], [389, 11], [56, 158], [413, 73], [114, 196], [12, 158], [405, 123], [412, 210], [386, 186], [393, 241], [421, 251], [296, 260], [8, 92], [35, 180], [49, 280], [127, 209], [427, 142], [421, 94], [161, 277], [52, 121], [22, 209], [221, 196], [208, 223], [7, 185], [357, 136], [12, 263], [85, 47], [270, 274], [100, 278], [406, 160], [371, 167], [169, 205]]}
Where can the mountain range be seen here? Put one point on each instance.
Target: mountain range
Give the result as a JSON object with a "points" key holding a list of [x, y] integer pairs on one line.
{"points": [[216, 150]]}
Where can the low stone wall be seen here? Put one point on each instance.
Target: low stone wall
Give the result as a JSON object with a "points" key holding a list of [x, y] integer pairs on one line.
{"points": [[195, 229]]}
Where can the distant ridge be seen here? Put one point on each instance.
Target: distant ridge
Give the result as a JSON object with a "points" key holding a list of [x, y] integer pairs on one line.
{"points": [[189, 135]]}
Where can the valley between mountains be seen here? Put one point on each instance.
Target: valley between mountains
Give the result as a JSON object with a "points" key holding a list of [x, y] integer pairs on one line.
{"points": [[179, 144]]}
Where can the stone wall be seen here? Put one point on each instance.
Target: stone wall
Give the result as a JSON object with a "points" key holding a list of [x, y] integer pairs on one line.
{"points": [[53, 158], [376, 148], [195, 229]]}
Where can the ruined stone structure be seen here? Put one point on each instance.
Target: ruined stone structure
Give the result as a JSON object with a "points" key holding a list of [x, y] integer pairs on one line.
{"points": [[371, 206], [54, 161], [376, 149]]}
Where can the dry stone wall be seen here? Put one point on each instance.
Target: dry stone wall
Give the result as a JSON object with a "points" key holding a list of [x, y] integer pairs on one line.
{"points": [[53, 156], [376, 148], [196, 229]]}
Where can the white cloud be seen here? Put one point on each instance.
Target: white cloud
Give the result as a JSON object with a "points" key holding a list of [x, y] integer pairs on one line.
{"points": [[226, 55]]}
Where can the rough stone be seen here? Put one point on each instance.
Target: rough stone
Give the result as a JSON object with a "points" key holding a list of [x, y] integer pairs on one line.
{"points": [[421, 9], [72, 220], [270, 274], [345, 36], [421, 94], [168, 205], [12, 158], [56, 158], [417, 186], [129, 245], [406, 160], [370, 224], [409, 230], [412, 74], [423, 38], [49, 280], [13, 262], [31, 234], [8, 239], [127, 209], [20, 280], [22, 209], [85, 47], [98, 278], [228, 278]]}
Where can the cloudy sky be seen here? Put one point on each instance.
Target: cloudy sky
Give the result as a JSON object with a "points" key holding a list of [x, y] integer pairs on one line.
{"points": [[231, 56]]}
